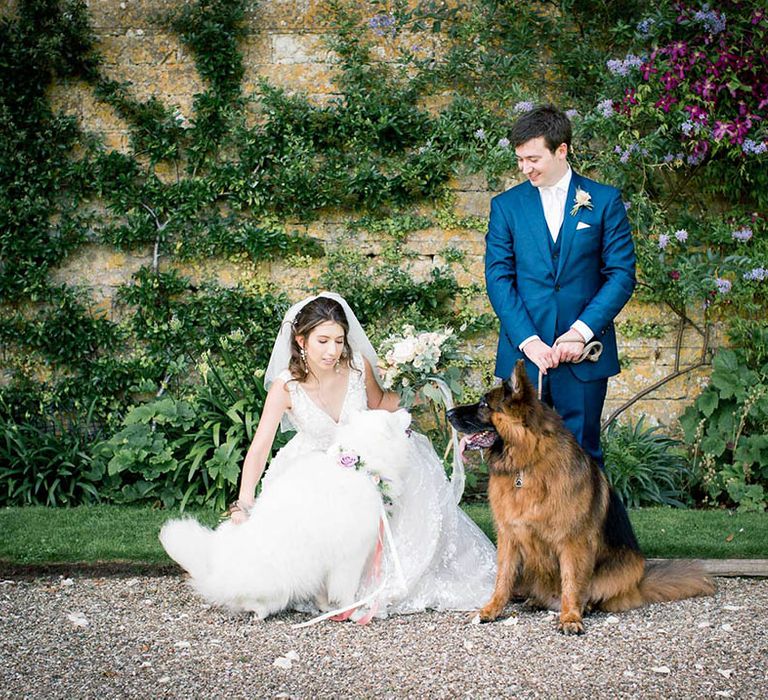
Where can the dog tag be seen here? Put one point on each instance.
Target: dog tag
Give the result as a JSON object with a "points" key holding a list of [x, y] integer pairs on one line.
{"points": [[519, 481]]}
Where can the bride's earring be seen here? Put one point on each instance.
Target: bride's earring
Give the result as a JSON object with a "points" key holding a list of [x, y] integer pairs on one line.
{"points": [[338, 366], [304, 359]]}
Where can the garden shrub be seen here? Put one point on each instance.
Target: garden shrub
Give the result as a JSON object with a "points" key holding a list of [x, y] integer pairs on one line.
{"points": [[727, 431], [644, 466]]}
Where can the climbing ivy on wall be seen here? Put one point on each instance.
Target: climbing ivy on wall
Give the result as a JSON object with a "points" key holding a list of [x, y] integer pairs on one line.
{"points": [[220, 183]]}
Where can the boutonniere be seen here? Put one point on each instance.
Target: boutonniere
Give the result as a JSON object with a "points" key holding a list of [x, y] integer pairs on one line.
{"points": [[582, 199]]}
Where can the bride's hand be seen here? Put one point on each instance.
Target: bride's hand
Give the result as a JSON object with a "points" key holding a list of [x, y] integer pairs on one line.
{"points": [[238, 512], [238, 517]]}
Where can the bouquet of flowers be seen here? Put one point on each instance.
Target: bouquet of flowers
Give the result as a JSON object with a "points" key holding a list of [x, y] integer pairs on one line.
{"points": [[412, 358]]}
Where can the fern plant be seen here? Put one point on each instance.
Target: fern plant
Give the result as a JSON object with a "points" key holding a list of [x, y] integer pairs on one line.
{"points": [[644, 466]]}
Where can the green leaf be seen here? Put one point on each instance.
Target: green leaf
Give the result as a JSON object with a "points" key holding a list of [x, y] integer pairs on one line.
{"points": [[707, 402], [714, 445]]}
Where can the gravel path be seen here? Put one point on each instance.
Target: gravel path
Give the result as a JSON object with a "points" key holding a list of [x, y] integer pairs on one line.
{"points": [[150, 637]]}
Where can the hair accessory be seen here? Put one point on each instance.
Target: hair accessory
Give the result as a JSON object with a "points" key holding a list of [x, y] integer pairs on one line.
{"points": [[304, 359]]}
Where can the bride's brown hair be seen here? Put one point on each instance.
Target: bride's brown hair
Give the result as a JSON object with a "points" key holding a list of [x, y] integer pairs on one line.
{"points": [[312, 315]]}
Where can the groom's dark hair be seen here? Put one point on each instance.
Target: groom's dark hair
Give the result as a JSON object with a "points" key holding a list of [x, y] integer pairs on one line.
{"points": [[547, 121]]}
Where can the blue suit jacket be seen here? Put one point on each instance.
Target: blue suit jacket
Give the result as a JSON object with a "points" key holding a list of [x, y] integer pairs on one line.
{"points": [[593, 279]]}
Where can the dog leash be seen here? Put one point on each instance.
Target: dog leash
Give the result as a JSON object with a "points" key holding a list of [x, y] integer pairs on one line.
{"points": [[591, 352]]}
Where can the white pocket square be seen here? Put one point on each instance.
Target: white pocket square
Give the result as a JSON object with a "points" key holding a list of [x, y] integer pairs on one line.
{"points": [[581, 225]]}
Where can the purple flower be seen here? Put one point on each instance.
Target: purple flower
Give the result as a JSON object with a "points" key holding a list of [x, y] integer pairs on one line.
{"points": [[723, 285], [617, 149], [687, 127], [669, 81], [698, 114], [678, 49], [700, 150], [713, 22], [663, 241], [625, 156], [616, 66], [503, 142], [383, 25], [571, 113], [757, 274], [524, 106], [669, 157], [743, 234], [480, 134], [681, 235], [644, 26], [674, 274], [627, 205], [666, 102], [606, 108], [348, 460], [750, 146]]}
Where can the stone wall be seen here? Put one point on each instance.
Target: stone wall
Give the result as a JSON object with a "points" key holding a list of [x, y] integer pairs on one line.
{"points": [[285, 46]]}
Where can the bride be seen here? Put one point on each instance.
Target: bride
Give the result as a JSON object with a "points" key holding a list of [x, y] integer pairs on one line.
{"points": [[322, 373]]}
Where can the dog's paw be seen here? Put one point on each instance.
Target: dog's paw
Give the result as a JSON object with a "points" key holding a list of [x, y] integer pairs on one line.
{"points": [[570, 627], [488, 614]]}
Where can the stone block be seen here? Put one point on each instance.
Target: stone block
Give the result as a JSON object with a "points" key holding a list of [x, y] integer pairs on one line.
{"points": [[310, 78], [101, 268], [473, 273], [470, 182], [298, 282], [115, 15], [222, 271], [434, 240], [296, 48], [174, 84], [473, 204], [150, 48], [256, 49], [289, 14], [117, 141], [639, 376]]}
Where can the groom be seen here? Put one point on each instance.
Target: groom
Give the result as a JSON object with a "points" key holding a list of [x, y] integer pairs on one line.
{"points": [[559, 266]]}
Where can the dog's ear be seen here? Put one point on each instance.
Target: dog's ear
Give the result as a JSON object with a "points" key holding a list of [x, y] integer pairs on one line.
{"points": [[511, 386], [403, 418], [517, 380]]}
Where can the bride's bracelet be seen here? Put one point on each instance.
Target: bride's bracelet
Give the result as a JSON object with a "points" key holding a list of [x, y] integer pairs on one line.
{"points": [[238, 506]]}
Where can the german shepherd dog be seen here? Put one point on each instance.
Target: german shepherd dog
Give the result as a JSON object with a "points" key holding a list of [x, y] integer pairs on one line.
{"points": [[564, 538]]}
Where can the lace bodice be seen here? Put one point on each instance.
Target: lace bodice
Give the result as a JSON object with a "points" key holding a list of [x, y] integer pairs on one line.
{"points": [[311, 421]]}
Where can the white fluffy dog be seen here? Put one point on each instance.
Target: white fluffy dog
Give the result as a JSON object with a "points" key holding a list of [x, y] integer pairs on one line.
{"points": [[311, 530]]}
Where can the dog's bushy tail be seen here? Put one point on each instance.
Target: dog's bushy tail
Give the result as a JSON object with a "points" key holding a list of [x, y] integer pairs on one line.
{"points": [[187, 543], [674, 580]]}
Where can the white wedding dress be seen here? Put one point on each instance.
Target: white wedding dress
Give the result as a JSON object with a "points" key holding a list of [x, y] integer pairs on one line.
{"points": [[445, 561]]}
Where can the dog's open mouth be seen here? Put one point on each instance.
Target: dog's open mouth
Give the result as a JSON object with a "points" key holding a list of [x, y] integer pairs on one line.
{"points": [[480, 441]]}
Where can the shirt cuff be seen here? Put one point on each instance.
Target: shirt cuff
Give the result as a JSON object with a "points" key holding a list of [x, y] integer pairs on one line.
{"points": [[528, 340], [584, 329]]}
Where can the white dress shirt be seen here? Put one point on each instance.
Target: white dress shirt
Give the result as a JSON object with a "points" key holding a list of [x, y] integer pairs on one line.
{"points": [[553, 202]]}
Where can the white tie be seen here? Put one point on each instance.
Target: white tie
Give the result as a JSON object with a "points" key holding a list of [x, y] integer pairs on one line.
{"points": [[554, 204]]}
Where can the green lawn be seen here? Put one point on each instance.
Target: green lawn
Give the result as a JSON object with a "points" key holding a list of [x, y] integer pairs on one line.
{"points": [[38, 535]]}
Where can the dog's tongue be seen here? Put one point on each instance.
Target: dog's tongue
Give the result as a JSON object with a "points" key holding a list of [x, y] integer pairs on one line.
{"points": [[477, 441]]}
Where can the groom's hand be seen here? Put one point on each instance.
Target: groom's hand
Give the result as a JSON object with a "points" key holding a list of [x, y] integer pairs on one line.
{"points": [[542, 355], [569, 346]]}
